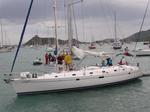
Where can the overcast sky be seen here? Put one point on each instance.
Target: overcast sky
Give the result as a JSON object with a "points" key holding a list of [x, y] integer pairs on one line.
{"points": [[97, 16]]}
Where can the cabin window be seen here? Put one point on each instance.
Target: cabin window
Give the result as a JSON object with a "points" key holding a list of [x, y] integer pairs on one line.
{"points": [[129, 73], [91, 72], [115, 70], [101, 77], [77, 79], [73, 74], [56, 76], [103, 71]]}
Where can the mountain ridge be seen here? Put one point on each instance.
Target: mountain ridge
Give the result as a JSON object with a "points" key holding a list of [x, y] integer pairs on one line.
{"points": [[136, 37]]}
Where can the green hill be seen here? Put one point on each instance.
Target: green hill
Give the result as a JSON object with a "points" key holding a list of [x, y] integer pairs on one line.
{"points": [[144, 36]]}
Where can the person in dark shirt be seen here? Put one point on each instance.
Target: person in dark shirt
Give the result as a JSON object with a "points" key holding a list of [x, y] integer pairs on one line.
{"points": [[50, 57], [46, 58], [60, 59], [109, 61]]}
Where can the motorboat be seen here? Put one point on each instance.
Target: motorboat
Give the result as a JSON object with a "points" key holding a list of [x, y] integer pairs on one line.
{"points": [[142, 52], [37, 62], [117, 45], [92, 46]]}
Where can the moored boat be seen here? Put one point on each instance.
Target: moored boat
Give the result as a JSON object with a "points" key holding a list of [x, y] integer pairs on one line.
{"points": [[117, 45], [92, 46], [37, 62], [142, 52], [85, 77]]}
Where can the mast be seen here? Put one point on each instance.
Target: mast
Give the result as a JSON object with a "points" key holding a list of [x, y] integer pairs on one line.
{"points": [[1, 35], [5, 36], [77, 41], [69, 22], [115, 27], [22, 35], [55, 25]]}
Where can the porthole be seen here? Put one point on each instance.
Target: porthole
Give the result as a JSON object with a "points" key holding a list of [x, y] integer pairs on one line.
{"points": [[103, 71], [91, 72], [77, 79], [101, 77], [73, 74]]}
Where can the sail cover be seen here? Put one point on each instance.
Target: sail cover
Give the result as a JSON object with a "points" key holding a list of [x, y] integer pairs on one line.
{"points": [[80, 53]]}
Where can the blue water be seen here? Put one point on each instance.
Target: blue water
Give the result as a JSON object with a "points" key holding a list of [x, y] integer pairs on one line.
{"points": [[130, 97]]}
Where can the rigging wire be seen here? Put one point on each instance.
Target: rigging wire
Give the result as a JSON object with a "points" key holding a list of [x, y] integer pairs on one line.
{"points": [[22, 35], [112, 11], [139, 34], [106, 17], [1, 34], [83, 21], [143, 20], [75, 23]]}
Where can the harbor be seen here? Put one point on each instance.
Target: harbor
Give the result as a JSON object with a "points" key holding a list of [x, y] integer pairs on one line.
{"points": [[134, 94], [66, 60]]}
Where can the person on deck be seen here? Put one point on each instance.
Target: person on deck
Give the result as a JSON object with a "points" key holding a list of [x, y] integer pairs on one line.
{"points": [[46, 58], [123, 61], [109, 61], [60, 62], [60, 59], [68, 61], [50, 57], [103, 63], [126, 52]]}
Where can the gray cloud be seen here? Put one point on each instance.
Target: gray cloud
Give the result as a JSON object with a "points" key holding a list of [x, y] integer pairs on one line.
{"points": [[15, 10], [98, 15]]}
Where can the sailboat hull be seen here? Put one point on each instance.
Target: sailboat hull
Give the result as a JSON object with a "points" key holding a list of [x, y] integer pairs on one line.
{"points": [[142, 52], [24, 86], [5, 50]]}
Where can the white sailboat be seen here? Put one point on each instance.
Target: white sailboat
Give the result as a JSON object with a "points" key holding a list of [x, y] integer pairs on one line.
{"points": [[117, 44], [146, 51], [92, 46], [85, 77], [4, 48], [142, 52]]}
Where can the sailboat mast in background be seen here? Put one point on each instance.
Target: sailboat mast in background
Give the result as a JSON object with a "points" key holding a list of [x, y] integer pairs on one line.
{"points": [[115, 27], [1, 34], [117, 44]]}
